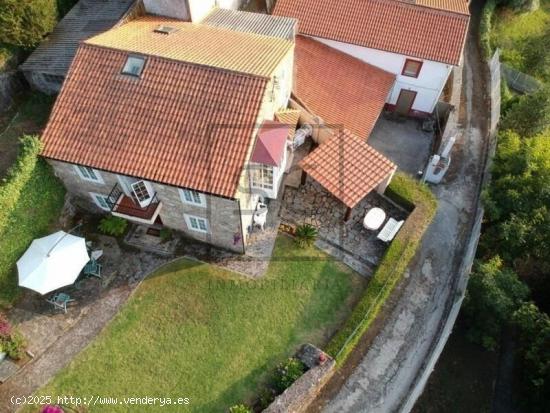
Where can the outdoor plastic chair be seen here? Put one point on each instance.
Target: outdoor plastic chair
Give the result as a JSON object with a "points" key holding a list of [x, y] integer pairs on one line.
{"points": [[60, 301], [93, 269]]}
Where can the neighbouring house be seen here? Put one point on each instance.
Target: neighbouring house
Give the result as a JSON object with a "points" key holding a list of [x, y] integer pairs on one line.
{"points": [[47, 66], [166, 122], [418, 41]]}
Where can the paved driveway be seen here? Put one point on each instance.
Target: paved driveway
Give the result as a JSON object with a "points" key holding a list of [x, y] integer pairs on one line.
{"points": [[403, 142]]}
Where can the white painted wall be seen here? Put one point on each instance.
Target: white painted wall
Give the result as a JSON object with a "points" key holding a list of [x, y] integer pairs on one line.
{"points": [[428, 85], [198, 9]]}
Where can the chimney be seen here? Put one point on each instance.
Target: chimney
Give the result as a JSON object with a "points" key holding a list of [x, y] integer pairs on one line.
{"points": [[190, 10]]}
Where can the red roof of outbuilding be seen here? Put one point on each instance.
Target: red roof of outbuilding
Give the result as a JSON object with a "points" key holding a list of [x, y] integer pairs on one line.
{"points": [[342, 90], [430, 29], [348, 167], [270, 144]]}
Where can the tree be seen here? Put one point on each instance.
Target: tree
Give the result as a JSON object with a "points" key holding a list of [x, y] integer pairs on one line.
{"points": [[494, 293], [517, 205], [533, 329], [25, 23], [530, 115]]}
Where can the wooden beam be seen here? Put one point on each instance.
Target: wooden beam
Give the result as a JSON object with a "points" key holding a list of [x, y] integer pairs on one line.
{"points": [[347, 216]]}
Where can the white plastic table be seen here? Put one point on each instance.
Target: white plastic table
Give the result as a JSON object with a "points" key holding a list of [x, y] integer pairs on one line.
{"points": [[374, 219]]}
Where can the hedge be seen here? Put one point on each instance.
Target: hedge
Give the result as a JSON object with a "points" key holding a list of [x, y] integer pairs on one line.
{"points": [[18, 175], [407, 191], [485, 28]]}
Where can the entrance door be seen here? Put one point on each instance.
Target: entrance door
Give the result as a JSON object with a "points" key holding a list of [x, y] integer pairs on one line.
{"points": [[140, 191], [405, 102]]}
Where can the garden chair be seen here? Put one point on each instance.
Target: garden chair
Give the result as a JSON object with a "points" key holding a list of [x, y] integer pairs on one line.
{"points": [[92, 269], [390, 230], [60, 301]]}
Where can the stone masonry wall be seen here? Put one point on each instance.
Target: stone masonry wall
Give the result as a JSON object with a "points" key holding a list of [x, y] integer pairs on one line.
{"points": [[222, 214]]}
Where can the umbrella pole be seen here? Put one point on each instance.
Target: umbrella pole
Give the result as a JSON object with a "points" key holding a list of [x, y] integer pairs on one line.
{"points": [[61, 239]]}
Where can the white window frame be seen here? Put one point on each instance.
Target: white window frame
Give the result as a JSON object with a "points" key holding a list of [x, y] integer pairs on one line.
{"points": [[262, 169], [99, 179], [189, 219], [95, 197], [193, 195]]}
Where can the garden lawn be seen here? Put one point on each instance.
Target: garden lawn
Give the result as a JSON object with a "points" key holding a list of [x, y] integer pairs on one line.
{"points": [[198, 331], [524, 39], [35, 213]]}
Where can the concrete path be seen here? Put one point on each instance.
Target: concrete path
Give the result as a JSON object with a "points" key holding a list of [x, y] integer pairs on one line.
{"points": [[383, 380]]}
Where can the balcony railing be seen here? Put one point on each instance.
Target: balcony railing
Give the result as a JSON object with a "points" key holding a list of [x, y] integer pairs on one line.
{"points": [[122, 204]]}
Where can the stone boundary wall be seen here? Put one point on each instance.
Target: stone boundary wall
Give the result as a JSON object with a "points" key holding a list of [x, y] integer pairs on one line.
{"points": [[298, 397]]}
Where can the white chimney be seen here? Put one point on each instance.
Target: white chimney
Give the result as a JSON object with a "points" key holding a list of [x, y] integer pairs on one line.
{"points": [[190, 10]]}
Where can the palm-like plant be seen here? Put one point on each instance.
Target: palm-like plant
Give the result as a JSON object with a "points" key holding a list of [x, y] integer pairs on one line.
{"points": [[306, 234]]}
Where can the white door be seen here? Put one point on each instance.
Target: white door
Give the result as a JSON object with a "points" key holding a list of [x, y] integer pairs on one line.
{"points": [[142, 193]]}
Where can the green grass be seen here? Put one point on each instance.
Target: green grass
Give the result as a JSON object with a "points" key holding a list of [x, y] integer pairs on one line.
{"points": [[405, 191], [195, 330], [36, 210], [524, 39]]}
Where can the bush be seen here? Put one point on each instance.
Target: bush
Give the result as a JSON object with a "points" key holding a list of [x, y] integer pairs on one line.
{"points": [[287, 373], [267, 395], [402, 189], [494, 293], [306, 235], [17, 177], [5, 327], [166, 234], [25, 23], [485, 28], [530, 116], [239, 408], [14, 345], [51, 409], [114, 226]]}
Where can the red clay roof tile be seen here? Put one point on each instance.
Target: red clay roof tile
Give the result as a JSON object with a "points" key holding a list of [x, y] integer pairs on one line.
{"points": [[348, 167], [342, 90], [433, 29], [180, 124]]}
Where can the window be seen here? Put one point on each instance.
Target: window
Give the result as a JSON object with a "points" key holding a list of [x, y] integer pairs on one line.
{"points": [[192, 197], [196, 223], [142, 193], [101, 201], [89, 174], [411, 68], [262, 177], [134, 66]]}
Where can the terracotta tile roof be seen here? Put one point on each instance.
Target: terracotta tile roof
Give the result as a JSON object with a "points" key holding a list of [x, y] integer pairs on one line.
{"points": [[197, 43], [167, 126], [348, 167], [399, 27], [289, 117], [270, 143], [456, 6], [354, 101]]}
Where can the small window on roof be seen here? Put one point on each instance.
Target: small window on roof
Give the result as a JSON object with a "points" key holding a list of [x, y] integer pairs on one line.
{"points": [[134, 66], [165, 29]]}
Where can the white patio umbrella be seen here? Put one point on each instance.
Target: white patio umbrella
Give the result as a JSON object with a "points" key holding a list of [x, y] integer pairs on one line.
{"points": [[52, 262]]}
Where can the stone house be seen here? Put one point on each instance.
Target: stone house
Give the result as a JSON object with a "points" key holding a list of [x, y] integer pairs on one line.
{"points": [[159, 119], [420, 42]]}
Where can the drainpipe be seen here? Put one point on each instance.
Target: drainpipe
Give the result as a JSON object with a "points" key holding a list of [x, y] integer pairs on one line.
{"points": [[241, 224]]}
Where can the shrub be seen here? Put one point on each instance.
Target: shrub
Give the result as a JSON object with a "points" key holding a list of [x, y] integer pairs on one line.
{"points": [[287, 373], [239, 408], [267, 395], [5, 327], [25, 23], [14, 346], [166, 234], [306, 234], [51, 409], [530, 116], [114, 226], [18, 175], [485, 28]]}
